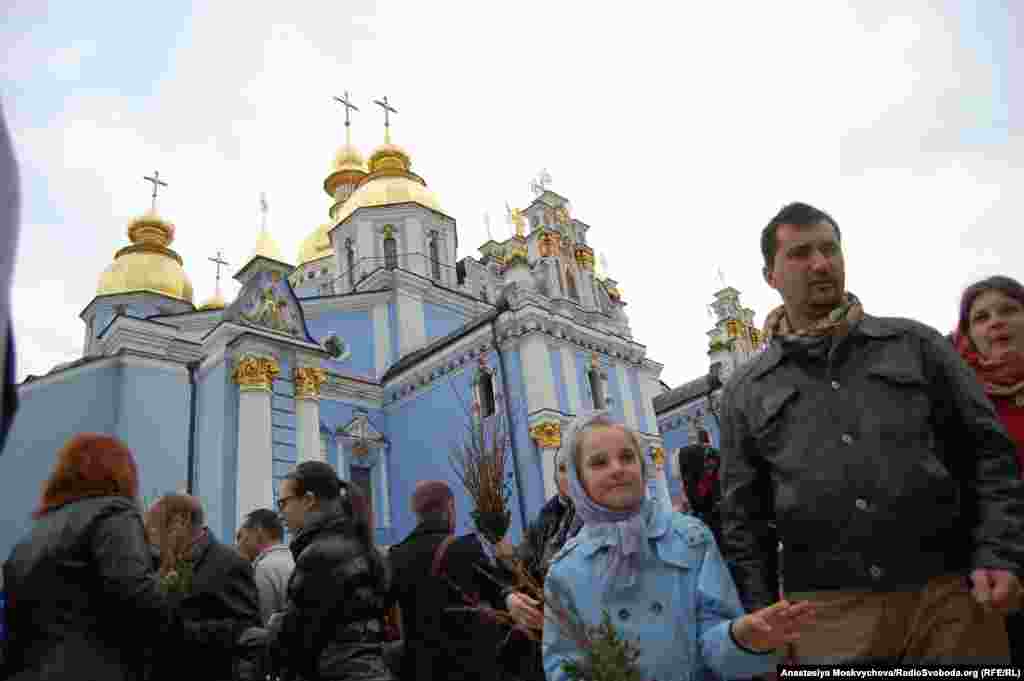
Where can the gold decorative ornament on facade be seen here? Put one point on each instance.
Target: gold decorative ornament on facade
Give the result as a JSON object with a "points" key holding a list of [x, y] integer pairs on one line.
{"points": [[562, 215], [658, 456], [547, 435], [255, 373], [585, 257], [548, 244], [732, 327], [308, 381]]}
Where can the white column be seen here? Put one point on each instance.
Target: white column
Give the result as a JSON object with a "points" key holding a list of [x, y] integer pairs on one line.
{"points": [[569, 376], [255, 478], [385, 493], [412, 326], [540, 384], [548, 466], [626, 391], [343, 471], [381, 338], [307, 413]]}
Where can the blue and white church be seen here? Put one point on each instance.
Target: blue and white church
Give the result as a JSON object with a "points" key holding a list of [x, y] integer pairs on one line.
{"points": [[365, 353]]}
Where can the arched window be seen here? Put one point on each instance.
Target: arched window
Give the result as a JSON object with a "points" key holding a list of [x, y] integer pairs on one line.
{"points": [[596, 388], [570, 281], [435, 262], [350, 257], [390, 249], [485, 393]]}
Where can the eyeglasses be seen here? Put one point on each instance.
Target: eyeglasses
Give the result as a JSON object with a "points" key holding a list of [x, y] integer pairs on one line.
{"points": [[283, 501]]}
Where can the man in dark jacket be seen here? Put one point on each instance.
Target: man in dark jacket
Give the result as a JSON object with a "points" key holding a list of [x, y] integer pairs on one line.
{"points": [[894, 487], [699, 470], [441, 645], [332, 627], [221, 604]]}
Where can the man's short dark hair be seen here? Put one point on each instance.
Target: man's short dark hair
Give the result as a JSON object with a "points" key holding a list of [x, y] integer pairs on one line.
{"points": [[316, 477], [266, 520], [798, 215]]}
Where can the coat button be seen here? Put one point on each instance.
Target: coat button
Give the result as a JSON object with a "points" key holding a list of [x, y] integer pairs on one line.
{"points": [[862, 504], [876, 572], [623, 614], [656, 608], [847, 439], [835, 385]]}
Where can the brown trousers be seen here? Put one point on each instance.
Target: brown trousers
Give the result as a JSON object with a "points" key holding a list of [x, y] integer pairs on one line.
{"points": [[940, 623]]}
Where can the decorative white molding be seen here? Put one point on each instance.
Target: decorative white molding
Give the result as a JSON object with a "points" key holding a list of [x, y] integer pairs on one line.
{"points": [[142, 335], [127, 359], [445, 361], [352, 391], [353, 302]]}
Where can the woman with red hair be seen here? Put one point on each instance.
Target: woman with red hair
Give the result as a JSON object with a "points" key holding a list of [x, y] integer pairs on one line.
{"points": [[990, 338], [85, 572]]}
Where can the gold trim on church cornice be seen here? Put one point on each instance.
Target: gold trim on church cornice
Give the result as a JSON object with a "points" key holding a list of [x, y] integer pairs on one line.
{"points": [[255, 373], [547, 435], [308, 381]]}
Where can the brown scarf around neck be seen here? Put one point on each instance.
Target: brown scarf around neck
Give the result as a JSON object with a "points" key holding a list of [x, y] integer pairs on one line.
{"points": [[1000, 377], [838, 322]]}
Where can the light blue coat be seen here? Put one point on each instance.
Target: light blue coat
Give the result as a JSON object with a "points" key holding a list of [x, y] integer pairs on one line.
{"points": [[678, 611]]}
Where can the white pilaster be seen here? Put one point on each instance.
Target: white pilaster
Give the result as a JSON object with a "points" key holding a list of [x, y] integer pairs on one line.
{"points": [[412, 326], [255, 476], [569, 376], [341, 443], [307, 381], [385, 492], [540, 384], [548, 466], [626, 392], [381, 338]]}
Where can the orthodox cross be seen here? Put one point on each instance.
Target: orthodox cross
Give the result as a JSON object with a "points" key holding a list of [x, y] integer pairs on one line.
{"points": [[157, 183], [540, 185], [349, 106], [263, 209], [388, 109], [220, 261]]}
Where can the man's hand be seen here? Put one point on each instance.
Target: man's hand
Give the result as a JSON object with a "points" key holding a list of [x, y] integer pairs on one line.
{"points": [[525, 611], [996, 590], [773, 627]]}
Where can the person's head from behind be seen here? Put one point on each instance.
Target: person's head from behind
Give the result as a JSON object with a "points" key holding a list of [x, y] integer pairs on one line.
{"points": [[803, 261], [609, 462], [260, 529], [433, 501], [687, 455], [311, 487], [174, 521], [992, 317], [90, 465]]}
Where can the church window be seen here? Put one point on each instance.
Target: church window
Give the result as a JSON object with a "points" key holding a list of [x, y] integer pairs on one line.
{"points": [[390, 249], [485, 393], [351, 258], [596, 388], [435, 262], [361, 476], [571, 283]]}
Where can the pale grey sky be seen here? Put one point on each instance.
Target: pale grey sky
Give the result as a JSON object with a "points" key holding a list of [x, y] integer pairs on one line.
{"points": [[676, 129]]}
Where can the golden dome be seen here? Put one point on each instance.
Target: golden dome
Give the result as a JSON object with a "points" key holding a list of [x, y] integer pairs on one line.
{"points": [[316, 245], [348, 158], [390, 157], [216, 302], [148, 264], [385, 190], [267, 247]]}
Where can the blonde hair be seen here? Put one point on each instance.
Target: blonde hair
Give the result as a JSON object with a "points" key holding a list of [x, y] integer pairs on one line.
{"points": [[572, 444]]}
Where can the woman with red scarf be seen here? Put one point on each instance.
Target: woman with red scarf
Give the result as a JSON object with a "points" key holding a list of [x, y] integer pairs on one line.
{"points": [[990, 338]]}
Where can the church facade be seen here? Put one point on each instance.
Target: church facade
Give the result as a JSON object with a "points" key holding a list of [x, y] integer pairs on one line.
{"points": [[372, 353]]}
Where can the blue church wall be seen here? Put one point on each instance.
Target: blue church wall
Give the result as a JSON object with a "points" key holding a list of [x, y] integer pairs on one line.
{"points": [[440, 321], [393, 330], [215, 433], [556, 374], [529, 469], [85, 403], [432, 421], [356, 329], [153, 420], [638, 401], [282, 431]]}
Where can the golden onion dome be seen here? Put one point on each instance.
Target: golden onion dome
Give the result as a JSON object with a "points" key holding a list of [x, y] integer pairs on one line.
{"points": [[216, 302], [267, 247], [148, 264], [390, 156], [348, 158], [317, 245], [385, 190]]}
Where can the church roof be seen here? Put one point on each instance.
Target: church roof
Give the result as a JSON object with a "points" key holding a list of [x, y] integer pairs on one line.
{"points": [[417, 356], [698, 387]]}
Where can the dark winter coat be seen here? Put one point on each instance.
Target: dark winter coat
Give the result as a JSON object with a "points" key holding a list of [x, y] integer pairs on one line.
{"points": [[222, 604], [82, 595], [880, 457], [337, 598], [441, 645]]}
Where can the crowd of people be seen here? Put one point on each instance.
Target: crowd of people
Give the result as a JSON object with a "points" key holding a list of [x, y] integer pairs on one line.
{"points": [[876, 459]]}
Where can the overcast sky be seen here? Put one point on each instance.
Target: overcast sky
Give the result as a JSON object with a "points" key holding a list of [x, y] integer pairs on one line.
{"points": [[675, 129]]}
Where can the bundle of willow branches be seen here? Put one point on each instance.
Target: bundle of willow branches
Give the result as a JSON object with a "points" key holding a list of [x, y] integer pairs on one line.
{"points": [[607, 656]]}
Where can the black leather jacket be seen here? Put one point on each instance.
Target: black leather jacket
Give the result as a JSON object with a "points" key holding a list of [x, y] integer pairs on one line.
{"points": [[81, 580], [546, 535], [880, 457], [337, 597]]}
